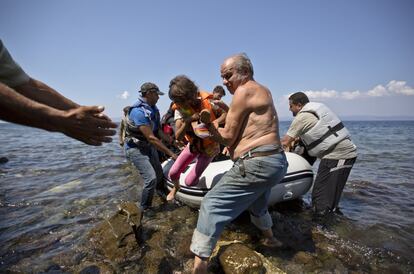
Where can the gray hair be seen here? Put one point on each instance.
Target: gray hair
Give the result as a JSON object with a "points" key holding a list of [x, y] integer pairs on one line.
{"points": [[242, 64]]}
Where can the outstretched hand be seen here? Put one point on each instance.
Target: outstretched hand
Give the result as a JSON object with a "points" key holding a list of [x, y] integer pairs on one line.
{"points": [[87, 124]]}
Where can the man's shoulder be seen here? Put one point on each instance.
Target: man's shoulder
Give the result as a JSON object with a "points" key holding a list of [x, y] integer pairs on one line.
{"points": [[251, 89], [136, 112], [253, 86], [302, 122], [305, 116]]}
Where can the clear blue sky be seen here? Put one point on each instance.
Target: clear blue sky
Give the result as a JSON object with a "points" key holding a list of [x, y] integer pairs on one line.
{"points": [[356, 56]]}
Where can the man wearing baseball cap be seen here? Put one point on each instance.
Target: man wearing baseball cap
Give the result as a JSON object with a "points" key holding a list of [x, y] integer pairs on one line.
{"points": [[148, 86], [142, 133]]}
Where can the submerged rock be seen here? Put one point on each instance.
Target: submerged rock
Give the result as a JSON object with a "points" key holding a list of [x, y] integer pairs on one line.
{"points": [[97, 268], [3, 160], [303, 257], [118, 237], [92, 269]]}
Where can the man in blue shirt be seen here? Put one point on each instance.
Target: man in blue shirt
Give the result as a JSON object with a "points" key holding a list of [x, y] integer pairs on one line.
{"points": [[142, 132]]}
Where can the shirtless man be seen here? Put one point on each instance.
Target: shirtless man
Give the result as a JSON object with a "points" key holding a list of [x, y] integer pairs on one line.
{"points": [[251, 133]]}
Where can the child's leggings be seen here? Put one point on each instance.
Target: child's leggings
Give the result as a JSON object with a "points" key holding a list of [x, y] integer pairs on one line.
{"points": [[184, 159]]}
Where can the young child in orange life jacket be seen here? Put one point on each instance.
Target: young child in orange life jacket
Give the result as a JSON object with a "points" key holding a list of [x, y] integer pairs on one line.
{"points": [[190, 105]]}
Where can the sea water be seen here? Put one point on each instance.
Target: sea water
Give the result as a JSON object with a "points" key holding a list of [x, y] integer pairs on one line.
{"points": [[53, 190]]}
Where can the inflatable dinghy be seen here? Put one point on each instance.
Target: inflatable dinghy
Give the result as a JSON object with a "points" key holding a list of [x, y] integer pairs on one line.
{"points": [[297, 181]]}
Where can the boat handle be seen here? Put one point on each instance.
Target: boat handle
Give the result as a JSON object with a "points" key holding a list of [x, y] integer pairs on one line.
{"points": [[288, 195]]}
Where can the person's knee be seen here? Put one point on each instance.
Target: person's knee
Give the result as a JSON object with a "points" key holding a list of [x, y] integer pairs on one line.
{"points": [[174, 173]]}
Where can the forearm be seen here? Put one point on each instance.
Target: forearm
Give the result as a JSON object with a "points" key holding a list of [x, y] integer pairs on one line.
{"points": [[181, 127], [16, 108], [216, 135], [221, 119], [160, 146], [286, 142], [42, 93]]}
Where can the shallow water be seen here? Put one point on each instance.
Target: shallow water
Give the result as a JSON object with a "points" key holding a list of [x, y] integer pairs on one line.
{"points": [[53, 190]]}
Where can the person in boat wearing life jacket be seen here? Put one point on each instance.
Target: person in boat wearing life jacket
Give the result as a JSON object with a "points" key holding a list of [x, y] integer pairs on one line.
{"points": [[190, 104], [168, 127], [222, 108], [142, 128], [325, 137], [218, 93]]}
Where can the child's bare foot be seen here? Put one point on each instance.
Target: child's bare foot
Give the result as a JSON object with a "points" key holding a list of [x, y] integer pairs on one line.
{"points": [[174, 190], [271, 242], [205, 116]]}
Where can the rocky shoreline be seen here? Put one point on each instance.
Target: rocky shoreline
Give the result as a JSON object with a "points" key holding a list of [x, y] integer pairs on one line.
{"points": [[160, 244]]}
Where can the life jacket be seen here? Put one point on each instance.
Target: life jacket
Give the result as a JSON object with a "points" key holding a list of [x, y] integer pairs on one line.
{"points": [[132, 132], [327, 132], [206, 145]]}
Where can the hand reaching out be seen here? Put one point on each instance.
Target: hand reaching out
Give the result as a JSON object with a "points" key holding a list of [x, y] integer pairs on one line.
{"points": [[87, 124]]}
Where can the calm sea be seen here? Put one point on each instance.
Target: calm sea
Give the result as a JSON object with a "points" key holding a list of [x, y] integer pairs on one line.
{"points": [[53, 190]]}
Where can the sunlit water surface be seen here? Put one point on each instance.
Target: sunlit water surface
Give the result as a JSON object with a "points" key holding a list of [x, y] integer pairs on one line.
{"points": [[53, 190]]}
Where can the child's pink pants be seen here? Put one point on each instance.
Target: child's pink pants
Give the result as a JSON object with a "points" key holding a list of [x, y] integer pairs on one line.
{"points": [[184, 159]]}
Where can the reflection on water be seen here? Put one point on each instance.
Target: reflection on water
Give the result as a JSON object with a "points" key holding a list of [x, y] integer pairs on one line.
{"points": [[53, 190]]}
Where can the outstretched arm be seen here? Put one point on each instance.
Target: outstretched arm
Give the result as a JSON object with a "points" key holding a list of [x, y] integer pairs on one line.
{"points": [[53, 112], [42, 93], [147, 132]]}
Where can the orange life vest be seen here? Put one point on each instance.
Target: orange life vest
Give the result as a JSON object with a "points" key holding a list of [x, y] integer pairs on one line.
{"points": [[207, 145]]}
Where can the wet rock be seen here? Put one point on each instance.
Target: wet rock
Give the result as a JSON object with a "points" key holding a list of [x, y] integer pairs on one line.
{"points": [[183, 247], [234, 257], [92, 269], [117, 238], [238, 258], [96, 268], [334, 265], [3, 160], [167, 239], [132, 212], [154, 256], [54, 269], [302, 257], [294, 268]]}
